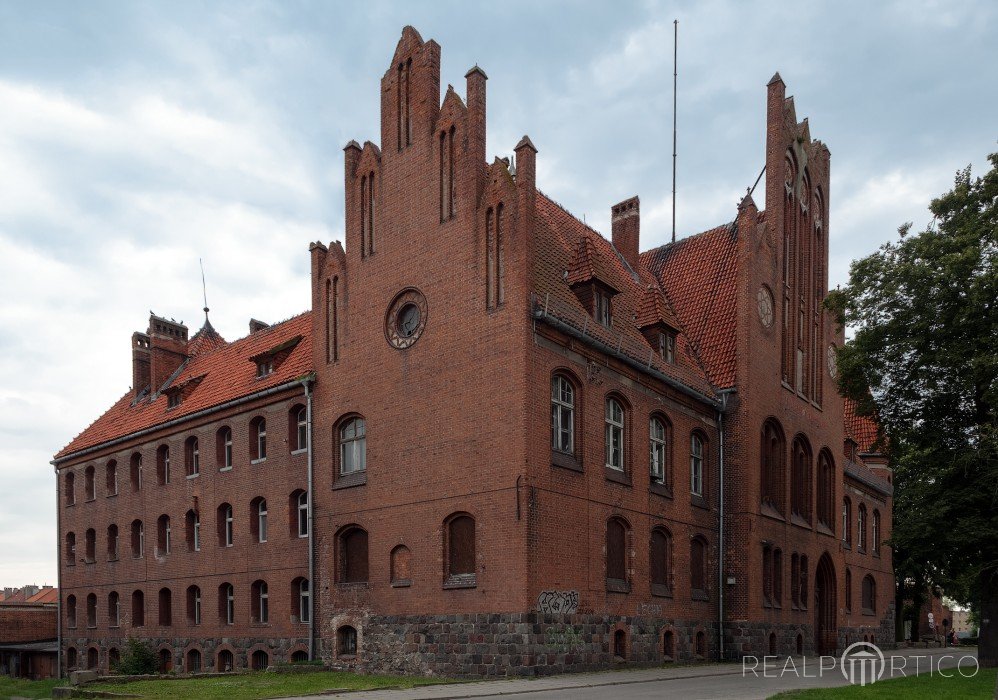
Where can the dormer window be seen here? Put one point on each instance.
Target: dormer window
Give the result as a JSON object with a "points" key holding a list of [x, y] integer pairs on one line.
{"points": [[173, 400], [269, 360], [602, 308], [264, 367], [667, 346]]}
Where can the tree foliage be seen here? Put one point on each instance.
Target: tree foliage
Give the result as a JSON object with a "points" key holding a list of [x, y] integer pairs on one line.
{"points": [[924, 360], [137, 659]]}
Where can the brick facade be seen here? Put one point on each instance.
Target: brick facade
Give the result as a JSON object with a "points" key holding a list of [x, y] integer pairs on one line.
{"points": [[456, 529]]}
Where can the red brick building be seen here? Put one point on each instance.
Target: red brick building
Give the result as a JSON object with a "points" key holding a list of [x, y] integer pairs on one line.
{"points": [[28, 638], [526, 442]]}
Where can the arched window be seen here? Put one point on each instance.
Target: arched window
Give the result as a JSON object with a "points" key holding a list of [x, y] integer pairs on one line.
{"points": [[668, 645], [301, 593], [346, 641], [698, 568], [258, 519], [876, 532], [90, 482], [192, 456], [165, 661], [138, 609], [298, 513], [778, 577], [659, 461], [223, 448], [800, 479], [113, 609], [795, 580], [616, 555], [848, 591], [225, 661], [869, 595], [90, 543], [138, 539], [847, 521], [353, 566], [620, 644], [332, 320], [111, 478], [135, 471], [298, 428], [767, 575], [70, 550], [401, 566], [163, 465], [700, 646], [193, 605], [163, 535], [112, 542], [71, 658], [299, 657], [93, 658], [773, 449], [614, 434], [194, 661], [661, 561], [260, 660], [802, 582], [70, 488], [698, 456], [861, 527], [113, 659], [495, 257], [224, 525], [826, 490], [352, 436], [165, 607], [260, 602], [192, 526], [71, 611], [226, 604], [92, 610], [258, 439], [459, 548], [562, 415]]}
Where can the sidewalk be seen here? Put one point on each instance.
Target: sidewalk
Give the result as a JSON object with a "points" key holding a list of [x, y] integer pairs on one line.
{"points": [[579, 681]]}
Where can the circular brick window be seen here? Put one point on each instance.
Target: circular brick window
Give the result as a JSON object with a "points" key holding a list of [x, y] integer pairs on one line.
{"points": [[405, 319], [764, 299]]}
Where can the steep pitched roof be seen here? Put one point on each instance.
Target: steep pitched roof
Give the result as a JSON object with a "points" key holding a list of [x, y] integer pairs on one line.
{"points": [[698, 276], [205, 340], [568, 252], [863, 430], [226, 374]]}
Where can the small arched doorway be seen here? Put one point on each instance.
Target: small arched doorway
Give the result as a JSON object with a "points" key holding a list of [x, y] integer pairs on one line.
{"points": [[825, 606]]}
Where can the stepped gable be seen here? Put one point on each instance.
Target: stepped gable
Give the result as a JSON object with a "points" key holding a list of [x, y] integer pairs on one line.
{"points": [[569, 252], [225, 370], [698, 275]]}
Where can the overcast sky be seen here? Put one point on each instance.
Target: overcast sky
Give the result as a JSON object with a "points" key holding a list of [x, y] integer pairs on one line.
{"points": [[137, 137]]}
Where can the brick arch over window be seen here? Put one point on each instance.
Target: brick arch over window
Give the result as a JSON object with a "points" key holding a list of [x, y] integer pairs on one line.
{"points": [[618, 535], [352, 555], [826, 490], [401, 566], [772, 467], [800, 479], [350, 449], [460, 567]]}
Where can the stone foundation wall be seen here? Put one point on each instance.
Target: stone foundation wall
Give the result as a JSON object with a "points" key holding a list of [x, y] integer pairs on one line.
{"points": [[882, 631], [747, 638], [513, 644]]}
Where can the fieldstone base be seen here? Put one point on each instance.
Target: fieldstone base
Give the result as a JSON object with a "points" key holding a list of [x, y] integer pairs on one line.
{"points": [[760, 639], [515, 644]]}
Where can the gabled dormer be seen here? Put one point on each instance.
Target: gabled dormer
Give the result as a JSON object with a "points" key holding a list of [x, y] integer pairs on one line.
{"points": [[658, 324], [590, 281], [269, 360]]}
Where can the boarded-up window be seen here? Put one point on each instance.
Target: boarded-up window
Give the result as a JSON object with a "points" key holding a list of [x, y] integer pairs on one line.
{"points": [[461, 546], [777, 577], [616, 550], [661, 562], [773, 448], [698, 567], [165, 607], [401, 565], [138, 609], [353, 556], [869, 594]]}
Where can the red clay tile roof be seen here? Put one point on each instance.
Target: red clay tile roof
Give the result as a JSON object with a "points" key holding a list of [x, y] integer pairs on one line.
{"points": [[863, 430], [228, 374], [698, 276], [559, 238], [205, 340], [45, 595]]}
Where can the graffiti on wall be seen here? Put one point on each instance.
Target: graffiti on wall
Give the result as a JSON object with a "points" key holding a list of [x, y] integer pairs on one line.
{"points": [[558, 602]]}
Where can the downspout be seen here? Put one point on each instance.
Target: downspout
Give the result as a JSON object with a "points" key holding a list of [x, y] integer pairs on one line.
{"points": [[312, 588], [58, 578], [720, 525]]}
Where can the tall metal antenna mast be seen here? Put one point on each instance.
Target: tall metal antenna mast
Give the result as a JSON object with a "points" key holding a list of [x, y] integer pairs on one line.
{"points": [[204, 288], [675, 62]]}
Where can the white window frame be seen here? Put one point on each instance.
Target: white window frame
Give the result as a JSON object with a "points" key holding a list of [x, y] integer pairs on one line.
{"points": [[228, 526], [562, 414], [197, 605], [303, 514], [166, 465], [696, 465], [227, 448], [261, 520], [261, 440], [230, 604], [658, 450], [197, 531], [264, 603], [304, 600], [602, 304], [195, 457], [302, 420], [614, 434], [353, 446]]}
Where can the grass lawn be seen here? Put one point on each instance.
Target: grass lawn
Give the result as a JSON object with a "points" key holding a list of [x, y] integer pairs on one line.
{"points": [[27, 689], [250, 686], [911, 688]]}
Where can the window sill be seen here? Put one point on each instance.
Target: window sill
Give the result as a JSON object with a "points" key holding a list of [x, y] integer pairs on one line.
{"points": [[91, 500], [867, 611], [660, 590], [259, 460], [699, 595], [193, 476], [566, 461], [823, 529], [861, 550], [699, 501], [352, 586], [846, 545], [799, 521], [660, 489], [259, 624], [771, 512], [402, 583], [461, 581], [617, 476], [299, 451], [349, 480], [111, 495], [616, 585], [112, 559]]}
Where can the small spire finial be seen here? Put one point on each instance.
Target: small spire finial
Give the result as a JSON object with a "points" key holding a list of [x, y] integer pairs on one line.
{"points": [[204, 289]]}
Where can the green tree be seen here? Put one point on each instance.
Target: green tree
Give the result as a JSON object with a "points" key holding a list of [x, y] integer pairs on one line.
{"points": [[924, 359], [137, 659]]}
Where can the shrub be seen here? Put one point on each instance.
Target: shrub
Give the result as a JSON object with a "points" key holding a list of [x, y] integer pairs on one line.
{"points": [[137, 659]]}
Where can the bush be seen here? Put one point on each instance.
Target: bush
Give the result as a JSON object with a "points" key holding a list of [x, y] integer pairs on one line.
{"points": [[137, 659]]}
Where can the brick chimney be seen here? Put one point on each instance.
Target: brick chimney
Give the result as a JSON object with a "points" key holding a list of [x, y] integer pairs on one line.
{"points": [[140, 362], [167, 349], [626, 225]]}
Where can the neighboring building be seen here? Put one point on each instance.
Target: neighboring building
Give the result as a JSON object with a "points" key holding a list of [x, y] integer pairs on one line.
{"points": [[28, 638], [962, 622], [521, 434]]}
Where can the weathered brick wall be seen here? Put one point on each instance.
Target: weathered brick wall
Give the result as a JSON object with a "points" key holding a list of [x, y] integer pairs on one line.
{"points": [[27, 623]]}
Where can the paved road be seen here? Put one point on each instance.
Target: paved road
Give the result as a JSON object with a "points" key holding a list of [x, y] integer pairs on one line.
{"points": [[705, 682]]}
